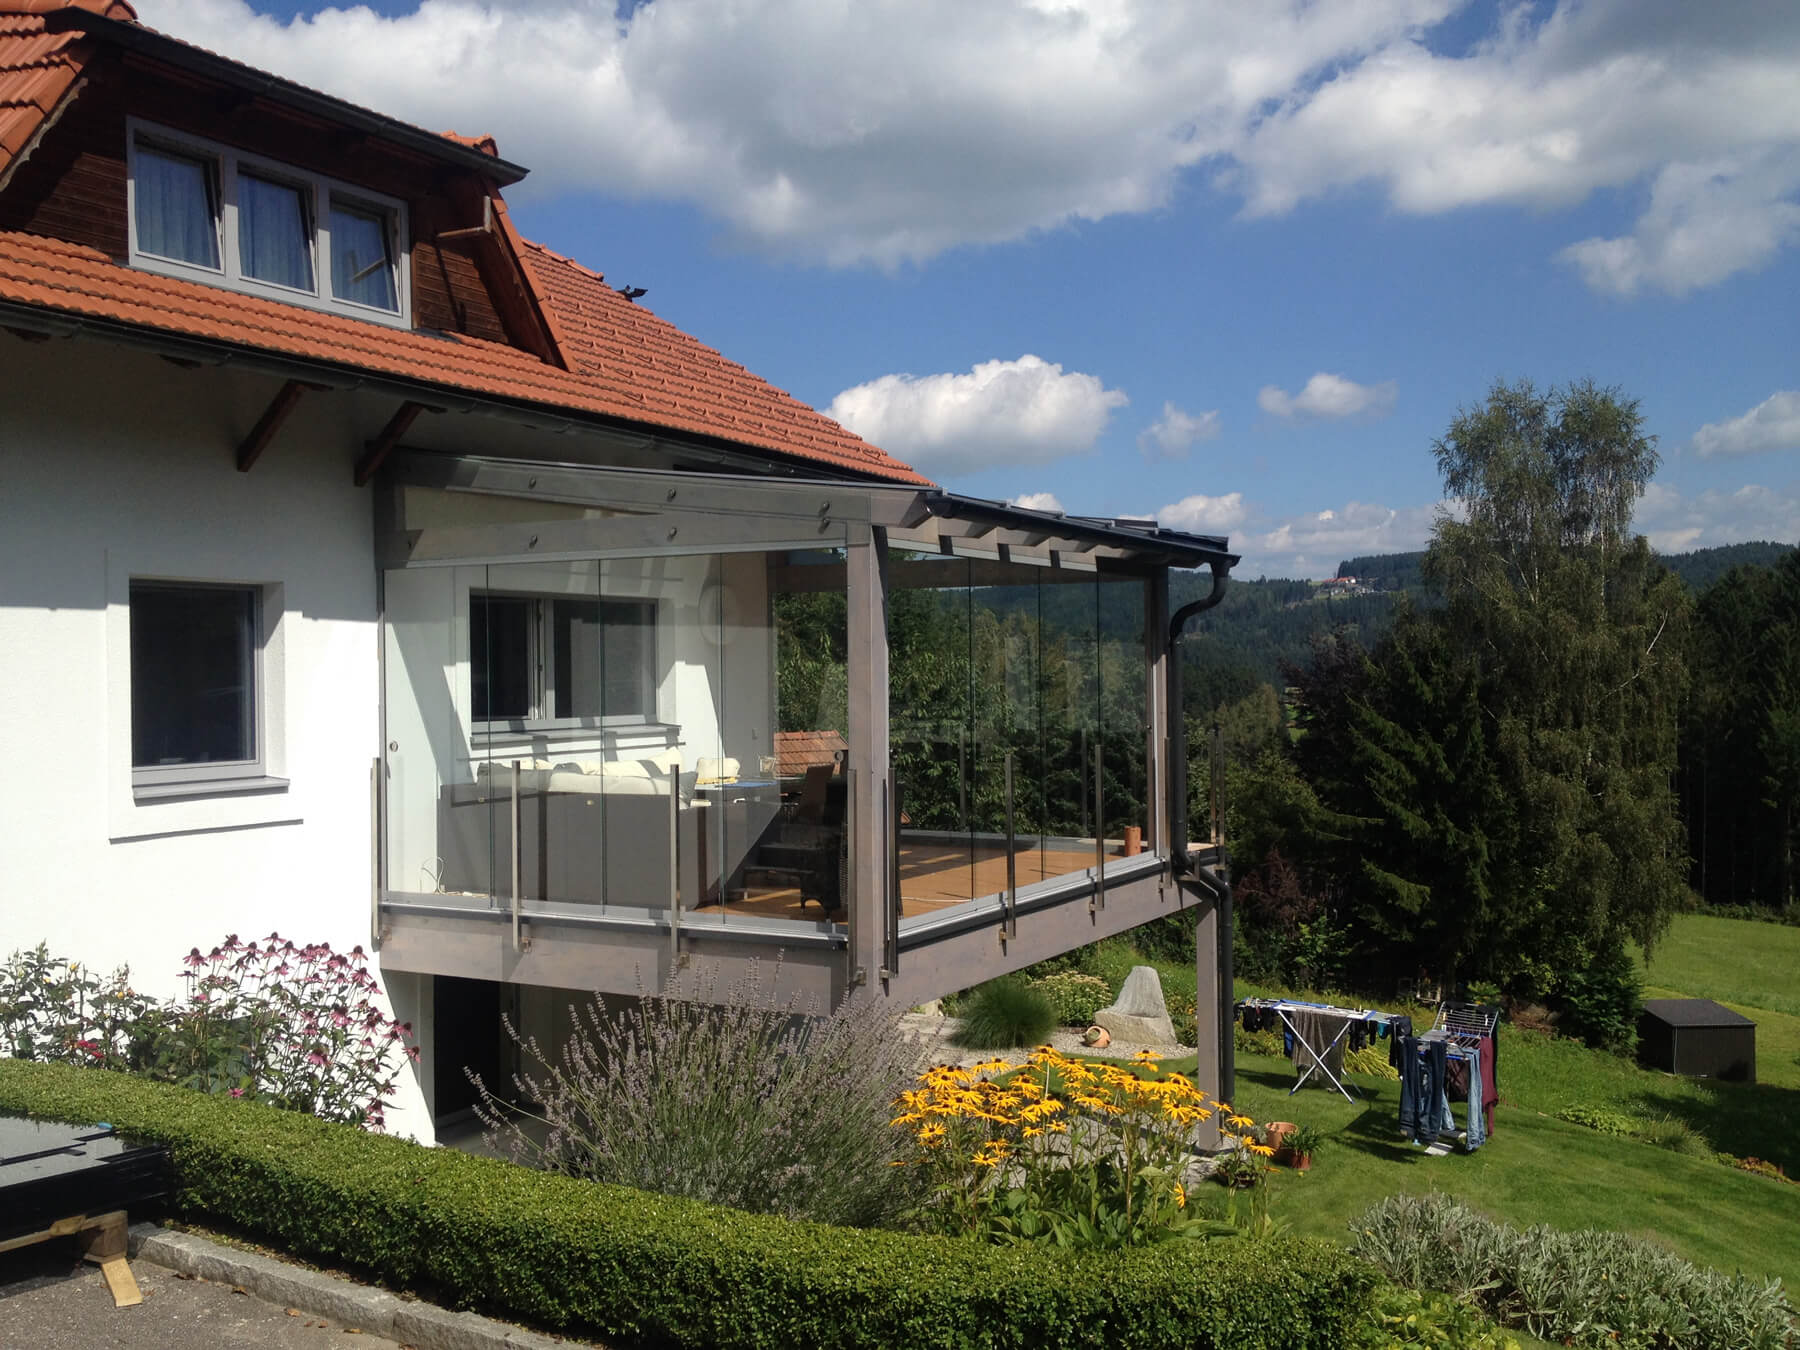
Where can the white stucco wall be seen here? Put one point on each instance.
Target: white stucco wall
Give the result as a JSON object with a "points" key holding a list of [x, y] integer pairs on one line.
{"points": [[115, 464]]}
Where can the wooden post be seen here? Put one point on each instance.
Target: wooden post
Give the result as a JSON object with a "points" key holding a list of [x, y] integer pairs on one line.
{"points": [[868, 903]]}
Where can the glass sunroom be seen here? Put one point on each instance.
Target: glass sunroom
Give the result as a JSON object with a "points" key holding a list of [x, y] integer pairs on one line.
{"points": [[636, 719]]}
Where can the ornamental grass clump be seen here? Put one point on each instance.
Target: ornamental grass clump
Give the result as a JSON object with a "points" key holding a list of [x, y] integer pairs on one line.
{"points": [[1003, 1013], [737, 1097], [1075, 997], [1061, 1150]]}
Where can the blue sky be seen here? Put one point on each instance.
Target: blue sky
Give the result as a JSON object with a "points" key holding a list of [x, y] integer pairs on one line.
{"points": [[1233, 269]]}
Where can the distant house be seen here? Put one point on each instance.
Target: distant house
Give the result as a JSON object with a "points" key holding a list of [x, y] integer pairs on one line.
{"points": [[371, 573]]}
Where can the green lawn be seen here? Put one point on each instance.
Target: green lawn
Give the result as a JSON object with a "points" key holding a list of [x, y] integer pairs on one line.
{"points": [[1734, 961], [1534, 1168], [1537, 1169]]}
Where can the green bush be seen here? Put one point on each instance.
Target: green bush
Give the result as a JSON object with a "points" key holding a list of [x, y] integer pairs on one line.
{"points": [[1598, 1118], [1004, 1013], [1599, 998], [1076, 997], [1404, 1318], [1589, 1289], [647, 1270]]}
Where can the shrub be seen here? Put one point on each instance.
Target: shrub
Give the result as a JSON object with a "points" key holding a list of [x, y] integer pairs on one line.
{"points": [[735, 1098], [1074, 996], [1590, 1288], [1403, 1318], [640, 1270], [56, 1011], [1599, 998], [1261, 1042], [1597, 1118], [297, 1027], [1004, 1013]]}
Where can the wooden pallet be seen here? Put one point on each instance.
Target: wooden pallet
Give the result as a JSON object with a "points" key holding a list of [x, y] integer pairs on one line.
{"points": [[102, 1238]]}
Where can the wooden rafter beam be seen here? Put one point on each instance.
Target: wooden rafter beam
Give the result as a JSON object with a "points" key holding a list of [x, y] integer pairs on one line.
{"points": [[270, 422], [383, 445]]}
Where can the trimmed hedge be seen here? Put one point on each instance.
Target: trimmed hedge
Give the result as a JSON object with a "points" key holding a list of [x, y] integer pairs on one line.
{"points": [[651, 1270]]}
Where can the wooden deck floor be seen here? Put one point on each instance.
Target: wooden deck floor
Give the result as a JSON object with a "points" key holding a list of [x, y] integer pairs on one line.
{"points": [[933, 876]]}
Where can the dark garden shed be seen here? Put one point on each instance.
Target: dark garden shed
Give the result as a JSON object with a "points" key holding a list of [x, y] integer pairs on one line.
{"points": [[1697, 1037]]}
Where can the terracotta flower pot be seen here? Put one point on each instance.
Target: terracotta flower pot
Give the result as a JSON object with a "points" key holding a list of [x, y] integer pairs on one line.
{"points": [[1275, 1134], [1134, 840]]}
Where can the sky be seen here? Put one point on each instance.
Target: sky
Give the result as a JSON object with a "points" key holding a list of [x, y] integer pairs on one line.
{"points": [[1235, 266]]}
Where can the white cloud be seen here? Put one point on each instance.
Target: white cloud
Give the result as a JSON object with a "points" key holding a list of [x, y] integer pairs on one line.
{"points": [[888, 132], [1705, 222], [1327, 395], [1675, 523], [1773, 424], [1038, 501], [1028, 411], [1201, 514], [1173, 434]]}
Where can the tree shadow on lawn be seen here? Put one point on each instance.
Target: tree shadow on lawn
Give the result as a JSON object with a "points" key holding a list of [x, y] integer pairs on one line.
{"points": [[1752, 1120], [1370, 1124]]}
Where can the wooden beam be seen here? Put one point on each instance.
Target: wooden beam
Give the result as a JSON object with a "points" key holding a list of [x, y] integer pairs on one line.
{"points": [[270, 423], [383, 445]]}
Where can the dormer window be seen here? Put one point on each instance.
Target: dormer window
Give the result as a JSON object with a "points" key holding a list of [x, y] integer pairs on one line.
{"points": [[210, 213]]}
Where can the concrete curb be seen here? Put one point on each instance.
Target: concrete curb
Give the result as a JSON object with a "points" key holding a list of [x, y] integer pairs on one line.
{"points": [[424, 1326]]}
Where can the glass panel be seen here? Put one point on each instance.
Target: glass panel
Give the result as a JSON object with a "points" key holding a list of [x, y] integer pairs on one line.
{"points": [[1069, 687], [193, 675], [931, 732], [437, 839], [176, 201], [362, 262], [1124, 714], [501, 656], [274, 232]]}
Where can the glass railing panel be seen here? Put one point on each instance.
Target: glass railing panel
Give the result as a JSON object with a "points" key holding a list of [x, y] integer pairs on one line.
{"points": [[1069, 692], [1124, 714], [932, 738]]}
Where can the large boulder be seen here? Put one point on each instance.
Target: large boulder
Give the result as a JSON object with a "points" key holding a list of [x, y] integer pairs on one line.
{"points": [[1139, 1014]]}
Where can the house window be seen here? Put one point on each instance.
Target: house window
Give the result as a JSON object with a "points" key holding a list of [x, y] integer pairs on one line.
{"points": [[561, 660], [195, 682], [210, 213]]}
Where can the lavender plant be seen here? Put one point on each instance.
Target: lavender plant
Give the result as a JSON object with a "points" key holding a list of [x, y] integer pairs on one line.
{"points": [[737, 1097]]}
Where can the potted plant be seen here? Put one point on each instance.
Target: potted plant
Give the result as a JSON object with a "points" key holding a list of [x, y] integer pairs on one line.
{"points": [[1275, 1134], [1299, 1146]]}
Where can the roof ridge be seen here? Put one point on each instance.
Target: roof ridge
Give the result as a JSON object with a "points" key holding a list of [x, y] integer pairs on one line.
{"points": [[106, 9], [564, 258]]}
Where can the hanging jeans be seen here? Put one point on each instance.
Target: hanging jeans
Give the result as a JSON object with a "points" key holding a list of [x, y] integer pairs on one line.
{"points": [[1477, 1135], [1424, 1109]]}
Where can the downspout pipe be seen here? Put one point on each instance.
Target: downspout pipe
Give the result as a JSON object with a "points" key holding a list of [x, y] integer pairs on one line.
{"points": [[1178, 829]]}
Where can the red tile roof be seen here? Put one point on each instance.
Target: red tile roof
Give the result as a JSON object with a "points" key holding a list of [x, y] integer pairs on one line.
{"points": [[798, 751], [621, 360], [38, 67], [628, 365]]}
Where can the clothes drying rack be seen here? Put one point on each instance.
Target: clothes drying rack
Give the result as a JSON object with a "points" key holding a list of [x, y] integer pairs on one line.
{"points": [[1461, 1027], [1284, 1007]]}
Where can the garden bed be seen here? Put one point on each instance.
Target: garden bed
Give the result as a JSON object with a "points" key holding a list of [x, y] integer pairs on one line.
{"points": [[641, 1269]]}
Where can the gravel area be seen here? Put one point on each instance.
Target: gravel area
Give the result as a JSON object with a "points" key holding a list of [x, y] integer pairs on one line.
{"points": [[932, 1033]]}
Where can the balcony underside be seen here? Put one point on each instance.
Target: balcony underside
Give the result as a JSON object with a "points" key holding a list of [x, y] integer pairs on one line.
{"points": [[946, 948]]}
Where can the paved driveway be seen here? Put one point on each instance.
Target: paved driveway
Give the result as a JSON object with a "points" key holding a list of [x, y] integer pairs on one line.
{"points": [[52, 1300]]}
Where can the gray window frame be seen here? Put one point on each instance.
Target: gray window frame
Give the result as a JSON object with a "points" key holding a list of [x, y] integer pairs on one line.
{"points": [[318, 192], [149, 781], [543, 662]]}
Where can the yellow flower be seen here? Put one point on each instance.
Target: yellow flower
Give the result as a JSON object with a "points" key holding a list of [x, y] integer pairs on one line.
{"points": [[1180, 1196]]}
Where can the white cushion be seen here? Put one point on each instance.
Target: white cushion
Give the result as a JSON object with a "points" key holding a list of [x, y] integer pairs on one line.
{"points": [[717, 770], [624, 768], [667, 760]]}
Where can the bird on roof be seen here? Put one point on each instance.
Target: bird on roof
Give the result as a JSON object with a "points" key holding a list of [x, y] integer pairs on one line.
{"points": [[631, 292]]}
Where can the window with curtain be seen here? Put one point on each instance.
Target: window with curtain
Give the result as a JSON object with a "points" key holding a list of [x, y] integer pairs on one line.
{"points": [[207, 212], [176, 203], [275, 238], [362, 259]]}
